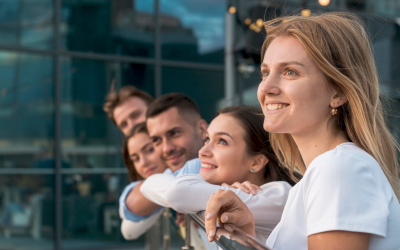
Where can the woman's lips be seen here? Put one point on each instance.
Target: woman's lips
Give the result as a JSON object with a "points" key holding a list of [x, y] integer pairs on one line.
{"points": [[207, 166], [151, 170], [276, 106], [272, 108]]}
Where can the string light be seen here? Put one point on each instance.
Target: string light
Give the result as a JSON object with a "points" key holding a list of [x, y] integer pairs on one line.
{"points": [[306, 12], [324, 2], [259, 22], [247, 21], [232, 10]]}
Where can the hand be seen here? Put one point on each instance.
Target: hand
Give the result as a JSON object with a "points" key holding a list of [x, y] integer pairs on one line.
{"points": [[246, 187], [180, 219], [227, 208]]}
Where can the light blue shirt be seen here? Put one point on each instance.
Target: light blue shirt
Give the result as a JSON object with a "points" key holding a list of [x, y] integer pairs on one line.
{"points": [[190, 167]]}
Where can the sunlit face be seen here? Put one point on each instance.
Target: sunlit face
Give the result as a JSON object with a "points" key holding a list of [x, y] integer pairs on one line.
{"points": [[143, 156], [175, 139], [224, 158], [293, 93], [130, 113]]}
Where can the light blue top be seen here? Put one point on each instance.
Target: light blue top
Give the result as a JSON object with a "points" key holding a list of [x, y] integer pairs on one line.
{"points": [[190, 167]]}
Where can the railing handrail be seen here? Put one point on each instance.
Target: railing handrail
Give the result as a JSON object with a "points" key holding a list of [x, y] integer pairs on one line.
{"points": [[238, 236]]}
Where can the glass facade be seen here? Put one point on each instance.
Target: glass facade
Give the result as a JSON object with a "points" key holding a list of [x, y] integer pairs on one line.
{"points": [[61, 170]]}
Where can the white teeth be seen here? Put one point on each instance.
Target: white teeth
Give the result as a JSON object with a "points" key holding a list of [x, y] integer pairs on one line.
{"points": [[276, 106], [207, 166]]}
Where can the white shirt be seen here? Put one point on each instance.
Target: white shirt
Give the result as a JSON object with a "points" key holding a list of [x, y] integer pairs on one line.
{"points": [[190, 194], [343, 189]]}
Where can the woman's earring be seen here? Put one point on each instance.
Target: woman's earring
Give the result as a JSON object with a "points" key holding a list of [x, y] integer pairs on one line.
{"points": [[252, 170], [334, 111]]}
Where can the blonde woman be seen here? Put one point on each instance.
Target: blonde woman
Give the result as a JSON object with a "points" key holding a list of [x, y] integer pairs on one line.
{"points": [[320, 97]]}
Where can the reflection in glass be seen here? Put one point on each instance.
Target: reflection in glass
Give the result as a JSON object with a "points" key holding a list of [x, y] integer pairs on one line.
{"points": [[120, 27], [27, 23], [90, 211], [205, 87], [89, 139], [27, 211], [26, 95], [193, 30]]}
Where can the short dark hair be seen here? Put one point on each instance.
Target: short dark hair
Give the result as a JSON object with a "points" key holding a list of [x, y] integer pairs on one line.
{"points": [[137, 129], [257, 141], [114, 98], [184, 104]]}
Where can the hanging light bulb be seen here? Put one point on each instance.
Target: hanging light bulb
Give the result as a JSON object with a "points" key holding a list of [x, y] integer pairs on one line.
{"points": [[259, 22], [232, 10], [324, 2], [306, 12]]}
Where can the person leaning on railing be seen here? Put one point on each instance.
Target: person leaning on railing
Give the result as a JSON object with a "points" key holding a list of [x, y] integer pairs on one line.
{"points": [[141, 162], [320, 97], [237, 149]]}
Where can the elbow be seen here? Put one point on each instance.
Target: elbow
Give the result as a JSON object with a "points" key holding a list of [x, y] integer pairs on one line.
{"points": [[127, 232], [136, 206]]}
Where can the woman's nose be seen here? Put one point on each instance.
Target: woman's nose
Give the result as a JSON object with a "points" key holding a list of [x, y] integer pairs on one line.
{"points": [[269, 85], [205, 151]]}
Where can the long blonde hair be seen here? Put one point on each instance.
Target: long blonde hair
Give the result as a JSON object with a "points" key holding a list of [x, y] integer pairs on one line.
{"points": [[339, 45]]}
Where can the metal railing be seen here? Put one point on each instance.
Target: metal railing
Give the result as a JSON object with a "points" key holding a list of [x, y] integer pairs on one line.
{"points": [[235, 240]]}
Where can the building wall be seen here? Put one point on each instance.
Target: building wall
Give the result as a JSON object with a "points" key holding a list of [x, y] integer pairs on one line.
{"points": [[61, 170]]}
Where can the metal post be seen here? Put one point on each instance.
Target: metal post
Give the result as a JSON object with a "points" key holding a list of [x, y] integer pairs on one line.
{"points": [[229, 59], [166, 233], [187, 233], [153, 237]]}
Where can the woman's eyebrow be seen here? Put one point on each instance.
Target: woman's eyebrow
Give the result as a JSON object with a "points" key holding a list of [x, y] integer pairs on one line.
{"points": [[224, 133], [281, 64]]}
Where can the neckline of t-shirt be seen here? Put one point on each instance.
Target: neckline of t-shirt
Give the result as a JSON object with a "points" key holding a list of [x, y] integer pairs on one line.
{"points": [[335, 148]]}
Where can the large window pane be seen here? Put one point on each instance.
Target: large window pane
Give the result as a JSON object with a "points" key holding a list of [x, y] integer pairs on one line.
{"points": [[27, 211], [90, 211], [205, 87], [26, 110], [123, 27], [89, 139], [27, 23], [193, 30]]}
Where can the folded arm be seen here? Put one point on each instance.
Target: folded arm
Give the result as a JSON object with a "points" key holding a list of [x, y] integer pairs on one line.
{"points": [[155, 187], [138, 204], [190, 194]]}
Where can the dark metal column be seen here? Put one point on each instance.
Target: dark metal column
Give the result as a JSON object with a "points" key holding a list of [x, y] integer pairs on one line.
{"points": [[57, 129], [157, 49]]}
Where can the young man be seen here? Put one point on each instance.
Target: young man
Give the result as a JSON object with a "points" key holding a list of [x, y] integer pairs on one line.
{"points": [[178, 132], [176, 128], [127, 107]]}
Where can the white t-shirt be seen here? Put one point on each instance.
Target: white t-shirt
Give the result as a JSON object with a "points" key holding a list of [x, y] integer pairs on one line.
{"points": [[343, 189], [190, 194]]}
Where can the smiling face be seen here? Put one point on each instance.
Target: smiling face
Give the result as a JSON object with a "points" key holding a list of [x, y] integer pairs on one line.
{"points": [[143, 156], [224, 158], [175, 139], [293, 94], [130, 113]]}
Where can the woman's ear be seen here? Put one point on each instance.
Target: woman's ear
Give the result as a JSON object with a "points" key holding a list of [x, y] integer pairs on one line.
{"points": [[338, 99], [259, 163]]}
